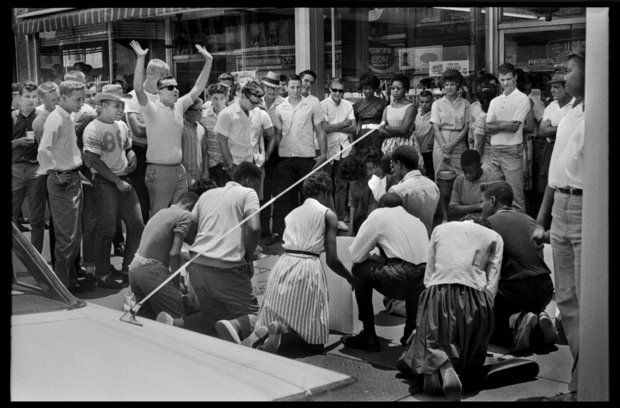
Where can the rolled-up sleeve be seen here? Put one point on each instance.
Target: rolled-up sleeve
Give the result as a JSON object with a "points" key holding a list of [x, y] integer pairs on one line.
{"points": [[365, 240], [494, 266]]}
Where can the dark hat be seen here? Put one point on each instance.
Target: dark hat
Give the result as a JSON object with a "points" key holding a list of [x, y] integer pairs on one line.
{"points": [[579, 52], [558, 77], [272, 80]]}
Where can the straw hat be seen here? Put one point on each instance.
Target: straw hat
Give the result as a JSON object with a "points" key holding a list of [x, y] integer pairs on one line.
{"points": [[272, 80]]}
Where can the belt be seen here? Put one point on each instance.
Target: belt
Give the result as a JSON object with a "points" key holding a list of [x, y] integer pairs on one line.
{"points": [[570, 191], [167, 165], [294, 251], [65, 171]]}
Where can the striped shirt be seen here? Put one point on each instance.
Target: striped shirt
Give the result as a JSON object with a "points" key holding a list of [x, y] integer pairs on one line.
{"points": [[208, 121]]}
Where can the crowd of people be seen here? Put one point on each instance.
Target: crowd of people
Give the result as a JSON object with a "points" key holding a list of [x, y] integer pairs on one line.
{"points": [[433, 191]]}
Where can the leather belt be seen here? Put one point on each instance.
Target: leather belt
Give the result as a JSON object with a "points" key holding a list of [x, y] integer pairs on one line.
{"points": [[294, 251], [570, 191]]}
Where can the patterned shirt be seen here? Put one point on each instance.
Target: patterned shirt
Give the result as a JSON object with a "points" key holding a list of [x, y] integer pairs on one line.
{"points": [[192, 143], [208, 121]]}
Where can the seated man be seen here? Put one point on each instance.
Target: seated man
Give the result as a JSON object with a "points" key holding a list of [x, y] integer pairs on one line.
{"points": [[466, 189], [159, 255], [398, 273], [525, 286]]}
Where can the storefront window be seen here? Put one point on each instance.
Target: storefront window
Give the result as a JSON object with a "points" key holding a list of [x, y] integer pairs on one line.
{"points": [[520, 14]]}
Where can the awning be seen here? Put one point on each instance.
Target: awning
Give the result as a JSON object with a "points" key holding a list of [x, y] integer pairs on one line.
{"points": [[29, 23]]}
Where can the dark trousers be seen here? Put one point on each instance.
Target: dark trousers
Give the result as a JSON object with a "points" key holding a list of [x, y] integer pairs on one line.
{"points": [[394, 278], [289, 170], [428, 165], [270, 189], [137, 182], [530, 294]]}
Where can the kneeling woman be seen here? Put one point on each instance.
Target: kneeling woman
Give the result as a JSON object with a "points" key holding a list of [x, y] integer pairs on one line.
{"points": [[295, 301], [455, 314]]}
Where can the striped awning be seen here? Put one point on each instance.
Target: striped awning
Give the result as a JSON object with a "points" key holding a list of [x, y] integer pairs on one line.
{"points": [[62, 20]]}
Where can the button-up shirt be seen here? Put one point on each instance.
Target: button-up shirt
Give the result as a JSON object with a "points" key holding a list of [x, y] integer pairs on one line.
{"points": [[334, 114], [424, 131], [192, 143], [21, 124], [554, 113], [398, 233], [298, 126], [420, 196], [465, 253], [209, 120], [513, 106], [566, 167], [58, 149]]}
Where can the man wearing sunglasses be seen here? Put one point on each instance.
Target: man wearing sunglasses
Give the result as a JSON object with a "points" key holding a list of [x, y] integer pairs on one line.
{"points": [[339, 126], [240, 129], [165, 176]]}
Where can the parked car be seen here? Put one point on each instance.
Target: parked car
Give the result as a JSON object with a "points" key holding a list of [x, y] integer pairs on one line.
{"points": [[63, 348]]}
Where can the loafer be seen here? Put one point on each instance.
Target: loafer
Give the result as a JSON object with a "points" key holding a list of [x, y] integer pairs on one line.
{"points": [[108, 282], [363, 341], [226, 331], [523, 329]]}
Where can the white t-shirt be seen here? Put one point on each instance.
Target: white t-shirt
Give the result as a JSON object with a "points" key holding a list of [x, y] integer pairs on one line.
{"points": [[566, 167], [109, 141], [514, 106], [335, 114]]}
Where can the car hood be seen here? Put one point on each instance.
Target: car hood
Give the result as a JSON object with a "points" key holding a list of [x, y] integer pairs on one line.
{"points": [[89, 354]]}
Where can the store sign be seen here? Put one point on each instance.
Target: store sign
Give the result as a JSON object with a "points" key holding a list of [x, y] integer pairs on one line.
{"points": [[380, 59], [436, 68], [540, 64], [244, 74]]}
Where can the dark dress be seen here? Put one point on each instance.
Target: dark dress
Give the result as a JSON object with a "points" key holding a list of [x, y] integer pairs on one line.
{"points": [[368, 112]]}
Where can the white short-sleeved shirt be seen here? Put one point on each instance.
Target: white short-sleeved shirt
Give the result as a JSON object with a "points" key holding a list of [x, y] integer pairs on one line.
{"points": [[164, 127], [566, 166], [244, 132], [335, 114], [298, 126], [513, 106], [109, 141], [554, 113], [133, 106], [58, 149]]}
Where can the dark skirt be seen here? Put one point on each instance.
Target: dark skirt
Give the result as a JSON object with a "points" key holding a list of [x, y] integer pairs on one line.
{"points": [[454, 322]]}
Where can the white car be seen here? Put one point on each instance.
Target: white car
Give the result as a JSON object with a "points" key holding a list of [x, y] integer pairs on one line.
{"points": [[63, 348]]}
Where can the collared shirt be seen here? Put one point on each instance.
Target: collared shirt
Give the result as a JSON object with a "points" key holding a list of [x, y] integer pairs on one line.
{"points": [[554, 113], [217, 211], [450, 115], [21, 124], [513, 106], [465, 253], [398, 233], [566, 167], [298, 126], [109, 141], [420, 196], [58, 149], [465, 192], [272, 110], [243, 131], [424, 131], [163, 128], [334, 114], [192, 142], [208, 120]]}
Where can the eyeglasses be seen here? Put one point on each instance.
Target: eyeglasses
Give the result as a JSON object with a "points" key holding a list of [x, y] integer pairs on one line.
{"points": [[169, 87], [337, 90]]}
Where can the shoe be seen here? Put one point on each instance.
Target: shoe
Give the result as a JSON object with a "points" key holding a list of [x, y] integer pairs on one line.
{"points": [[451, 384], [363, 341], [119, 250], [165, 318], [275, 331], [524, 325], [547, 328], [108, 282], [342, 226], [431, 384], [257, 338], [275, 239], [226, 331]]}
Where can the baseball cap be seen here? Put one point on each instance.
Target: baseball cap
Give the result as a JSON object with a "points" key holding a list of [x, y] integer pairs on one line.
{"points": [[558, 77]]}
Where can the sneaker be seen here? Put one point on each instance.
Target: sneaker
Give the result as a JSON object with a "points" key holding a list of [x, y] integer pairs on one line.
{"points": [[108, 282], [226, 331], [165, 318], [257, 338], [451, 384], [275, 331], [546, 326], [523, 329], [363, 341], [275, 239], [342, 226]]}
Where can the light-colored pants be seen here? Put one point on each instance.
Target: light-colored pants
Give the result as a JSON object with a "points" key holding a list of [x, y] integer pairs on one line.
{"points": [[25, 181], [507, 163], [566, 246], [165, 184]]}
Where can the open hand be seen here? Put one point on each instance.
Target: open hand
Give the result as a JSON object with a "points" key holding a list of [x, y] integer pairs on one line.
{"points": [[203, 51], [138, 48]]}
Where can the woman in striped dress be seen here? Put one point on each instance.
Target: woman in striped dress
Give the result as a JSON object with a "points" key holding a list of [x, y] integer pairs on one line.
{"points": [[295, 301]]}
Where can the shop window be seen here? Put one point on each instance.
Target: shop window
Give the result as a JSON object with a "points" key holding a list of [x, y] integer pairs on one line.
{"points": [[520, 14]]}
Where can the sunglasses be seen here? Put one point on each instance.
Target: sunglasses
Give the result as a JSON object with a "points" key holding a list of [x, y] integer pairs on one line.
{"points": [[169, 87], [337, 90]]}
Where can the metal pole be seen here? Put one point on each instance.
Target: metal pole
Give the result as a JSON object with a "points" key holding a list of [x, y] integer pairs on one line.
{"points": [[110, 53], [28, 64], [333, 43]]}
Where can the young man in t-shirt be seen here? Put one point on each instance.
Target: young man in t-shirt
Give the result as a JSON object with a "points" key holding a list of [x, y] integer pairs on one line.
{"points": [[107, 149]]}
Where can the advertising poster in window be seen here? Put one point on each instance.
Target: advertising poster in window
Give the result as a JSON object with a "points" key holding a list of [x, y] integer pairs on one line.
{"points": [[381, 59], [424, 56], [406, 58], [438, 67]]}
